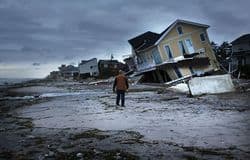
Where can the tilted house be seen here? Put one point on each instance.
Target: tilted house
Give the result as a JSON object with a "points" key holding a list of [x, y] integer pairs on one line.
{"points": [[181, 50], [88, 68]]}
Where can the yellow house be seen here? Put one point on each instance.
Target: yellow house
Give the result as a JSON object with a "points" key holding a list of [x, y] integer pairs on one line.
{"points": [[182, 50]]}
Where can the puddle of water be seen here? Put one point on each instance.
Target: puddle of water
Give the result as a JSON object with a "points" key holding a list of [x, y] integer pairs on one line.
{"points": [[51, 95], [17, 98], [47, 95]]}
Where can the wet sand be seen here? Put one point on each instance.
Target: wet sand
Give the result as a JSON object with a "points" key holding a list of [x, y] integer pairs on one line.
{"points": [[74, 121]]}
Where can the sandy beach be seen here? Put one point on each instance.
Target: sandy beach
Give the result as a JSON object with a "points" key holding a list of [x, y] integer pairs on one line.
{"points": [[71, 120]]}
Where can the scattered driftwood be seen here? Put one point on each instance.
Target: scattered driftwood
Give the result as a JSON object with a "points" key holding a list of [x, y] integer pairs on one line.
{"points": [[169, 98]]}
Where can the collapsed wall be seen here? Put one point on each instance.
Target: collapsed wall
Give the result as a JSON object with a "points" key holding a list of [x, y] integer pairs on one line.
{"points": [[211, 84]]}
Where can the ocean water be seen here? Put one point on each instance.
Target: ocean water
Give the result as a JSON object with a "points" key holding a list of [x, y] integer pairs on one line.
{"points": [[11, 81]]}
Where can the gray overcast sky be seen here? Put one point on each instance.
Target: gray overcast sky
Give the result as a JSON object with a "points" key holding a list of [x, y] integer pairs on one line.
{"points": [[38, 35]]}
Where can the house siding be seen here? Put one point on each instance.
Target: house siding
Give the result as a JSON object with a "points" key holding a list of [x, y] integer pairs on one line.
{"points": [[185, 71], [241, 47], [189, 32], [170, 71]]}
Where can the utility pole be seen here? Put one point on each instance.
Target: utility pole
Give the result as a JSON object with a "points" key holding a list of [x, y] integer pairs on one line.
{"points": [[112, 57]]}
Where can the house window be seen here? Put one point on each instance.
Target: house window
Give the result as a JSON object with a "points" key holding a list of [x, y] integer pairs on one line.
{"points": [[139, 60], [91, 67], [202, 37], [182, 48], [105, 65], [189, 45], [115, 66], [156, 56], [177, 71], [179, 30], [145, 58], [191, 70], [169, 52]]}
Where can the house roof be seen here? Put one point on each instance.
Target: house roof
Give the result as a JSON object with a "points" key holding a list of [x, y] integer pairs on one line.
{"points": [[86, 61], [108, 61], [69, 68], [126, 59], [144, 40], [149, 39], [242, 39]]}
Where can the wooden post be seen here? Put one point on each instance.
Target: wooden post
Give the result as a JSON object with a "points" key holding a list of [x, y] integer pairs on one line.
{"points": [[189, 90]]}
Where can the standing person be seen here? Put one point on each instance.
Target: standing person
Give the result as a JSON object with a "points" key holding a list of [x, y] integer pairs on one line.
{"points": [[120, 87]]}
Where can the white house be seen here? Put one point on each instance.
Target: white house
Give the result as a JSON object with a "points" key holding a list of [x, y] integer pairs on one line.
{"points": [[88, 68]]}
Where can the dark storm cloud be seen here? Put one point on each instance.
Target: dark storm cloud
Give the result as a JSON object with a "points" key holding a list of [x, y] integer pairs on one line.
{"points": [[228, 18], [60, 30]]}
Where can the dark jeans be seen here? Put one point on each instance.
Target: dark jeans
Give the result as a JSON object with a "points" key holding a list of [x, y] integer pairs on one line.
{"points": [[120, 95]]}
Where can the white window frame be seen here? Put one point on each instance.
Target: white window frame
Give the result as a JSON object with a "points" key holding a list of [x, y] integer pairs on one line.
{"points": [[168, 45], [193, 49], [180, 48]]}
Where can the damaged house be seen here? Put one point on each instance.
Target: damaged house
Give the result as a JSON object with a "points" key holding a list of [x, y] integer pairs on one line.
{"points": [[109, 68], [88, 68], [182, 50]]}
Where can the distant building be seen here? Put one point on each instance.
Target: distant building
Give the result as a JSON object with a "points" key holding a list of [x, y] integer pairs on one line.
{"points": [[109, 68], [68, 72], [55, 75], [88, 68], [183, 49], [241, 52]]}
